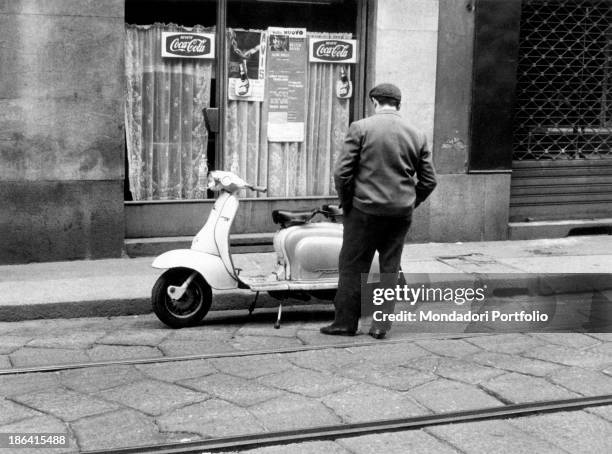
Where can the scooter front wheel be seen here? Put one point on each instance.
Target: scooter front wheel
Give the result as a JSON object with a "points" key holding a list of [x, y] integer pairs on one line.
{"points": [[190, 308]]}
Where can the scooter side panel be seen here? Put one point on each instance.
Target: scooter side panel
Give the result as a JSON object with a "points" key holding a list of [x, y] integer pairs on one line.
{"points": [[312, 250], [209, 266]]}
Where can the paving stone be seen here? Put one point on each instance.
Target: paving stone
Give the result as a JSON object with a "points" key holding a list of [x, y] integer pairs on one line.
{"points": [[393, 377], [74, 340], [10, 343], [573, 340], [394, 354], [575, 431], [506, 343], [94, 379], [65, 404], [366, 402], [252, 366], [5, 362], [40, 424], [7, 327], [215, 333], [179, 370], [26, 356], [314, 337], [583, 381], [186, 347], [462, 370], [134, 322], [12, 385], [116, 352], [492, 437], [604, 412], [417, 441], [570, 356], [425, 364], [328, 360], [139, 337], [11, 412], [515, 363], [606, 337], [117, 429], [445, 395], [306, 382], [455, 348], [152, 397], [234, 389], [264, 342], [316, 325], [292, 412], [309, 447], [286, 330], [604, 349], [212, 418], [519, 388]]}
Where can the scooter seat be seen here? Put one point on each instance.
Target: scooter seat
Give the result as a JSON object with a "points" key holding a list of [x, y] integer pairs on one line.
{"points": [[288, 218]]}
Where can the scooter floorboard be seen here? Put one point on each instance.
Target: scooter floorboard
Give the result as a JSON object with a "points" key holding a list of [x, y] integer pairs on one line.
{"points": [[264, 284]]}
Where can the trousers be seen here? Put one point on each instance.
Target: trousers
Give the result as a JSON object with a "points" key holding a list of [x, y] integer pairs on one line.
{"points": [[364, 234]]}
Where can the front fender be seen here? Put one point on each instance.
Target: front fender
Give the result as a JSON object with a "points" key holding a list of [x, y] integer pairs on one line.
{"points": [[209, 266]]}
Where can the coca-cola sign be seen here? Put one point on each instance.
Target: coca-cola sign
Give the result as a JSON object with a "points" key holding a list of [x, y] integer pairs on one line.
{"points": [[188, 45], [333, 50]]}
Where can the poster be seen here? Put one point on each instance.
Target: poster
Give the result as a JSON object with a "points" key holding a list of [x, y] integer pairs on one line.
{"points": [[287, 60], [247, 65]]}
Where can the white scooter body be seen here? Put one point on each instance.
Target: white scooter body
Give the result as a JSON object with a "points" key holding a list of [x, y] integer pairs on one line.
{"points": [[209, 254], [306, 254]]}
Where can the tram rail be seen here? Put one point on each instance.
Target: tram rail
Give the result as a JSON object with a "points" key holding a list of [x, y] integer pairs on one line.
{"points": [[332, 432], [205, 356]]}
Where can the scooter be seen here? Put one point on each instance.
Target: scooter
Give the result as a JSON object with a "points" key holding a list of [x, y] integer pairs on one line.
{"points": [[306, 259]]}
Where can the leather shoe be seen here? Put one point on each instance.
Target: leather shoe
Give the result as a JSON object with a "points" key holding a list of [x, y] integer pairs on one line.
{"points": [[377, 334], [337, 331]]}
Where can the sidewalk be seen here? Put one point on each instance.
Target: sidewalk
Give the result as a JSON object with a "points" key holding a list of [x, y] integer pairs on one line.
{"points": [[94, 288]]}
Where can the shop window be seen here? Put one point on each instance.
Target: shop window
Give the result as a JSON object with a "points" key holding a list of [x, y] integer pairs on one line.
{"points": [[170, 149]]}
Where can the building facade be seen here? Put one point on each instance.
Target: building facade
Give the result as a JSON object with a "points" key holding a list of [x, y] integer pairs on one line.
{"points": [[105, 141]]}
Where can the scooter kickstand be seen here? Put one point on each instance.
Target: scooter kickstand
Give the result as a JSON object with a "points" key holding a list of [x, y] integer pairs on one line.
{"points": [[278, 317], [252, 306]]}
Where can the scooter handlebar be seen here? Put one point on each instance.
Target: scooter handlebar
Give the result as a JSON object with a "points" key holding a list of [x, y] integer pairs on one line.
{"points": [[257, 188]]}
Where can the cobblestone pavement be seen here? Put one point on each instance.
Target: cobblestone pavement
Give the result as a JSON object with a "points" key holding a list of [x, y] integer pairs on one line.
{"points": [[128, 405]]}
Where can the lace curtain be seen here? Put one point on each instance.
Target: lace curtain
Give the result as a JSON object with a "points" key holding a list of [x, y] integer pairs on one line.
{"points": [[166, 137], [293, 168]]}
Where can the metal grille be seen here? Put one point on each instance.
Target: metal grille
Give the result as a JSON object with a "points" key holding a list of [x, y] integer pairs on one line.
{"points": [[564, 79]]}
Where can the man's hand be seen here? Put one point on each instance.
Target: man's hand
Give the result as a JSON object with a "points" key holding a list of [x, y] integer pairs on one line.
{"points": [[346, 208]]}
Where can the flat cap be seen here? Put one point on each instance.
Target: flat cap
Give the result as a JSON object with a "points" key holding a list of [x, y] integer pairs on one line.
{"points": [[386, 90]]}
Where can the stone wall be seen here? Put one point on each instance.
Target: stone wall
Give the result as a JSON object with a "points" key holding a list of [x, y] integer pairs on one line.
{"points": [[405, 49], [61, 129], [426, 48]]}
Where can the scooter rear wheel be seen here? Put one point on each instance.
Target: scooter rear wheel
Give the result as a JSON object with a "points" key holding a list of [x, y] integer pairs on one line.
{"points": [[186, 311]]}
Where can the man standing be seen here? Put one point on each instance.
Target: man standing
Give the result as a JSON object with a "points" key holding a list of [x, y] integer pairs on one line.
{"points": [[382, 174]]}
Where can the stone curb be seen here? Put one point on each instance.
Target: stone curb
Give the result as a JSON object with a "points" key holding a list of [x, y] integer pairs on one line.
{"points": [[242, 299]]}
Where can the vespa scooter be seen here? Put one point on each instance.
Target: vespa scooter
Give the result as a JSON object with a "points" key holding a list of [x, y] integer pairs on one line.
{"points": [[306, 259]]}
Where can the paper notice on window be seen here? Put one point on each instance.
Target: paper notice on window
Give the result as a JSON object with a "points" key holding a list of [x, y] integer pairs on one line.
{"points": [[287, 60], [247, 65]]}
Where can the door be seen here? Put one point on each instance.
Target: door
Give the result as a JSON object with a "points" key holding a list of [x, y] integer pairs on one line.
{"points": [[562, 162]]}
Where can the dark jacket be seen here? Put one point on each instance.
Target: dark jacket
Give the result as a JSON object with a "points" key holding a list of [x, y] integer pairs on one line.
{"points": [[385, 166]]}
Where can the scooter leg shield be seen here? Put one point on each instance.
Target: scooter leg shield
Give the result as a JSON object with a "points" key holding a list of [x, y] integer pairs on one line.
{"points": [[211, 267]]}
